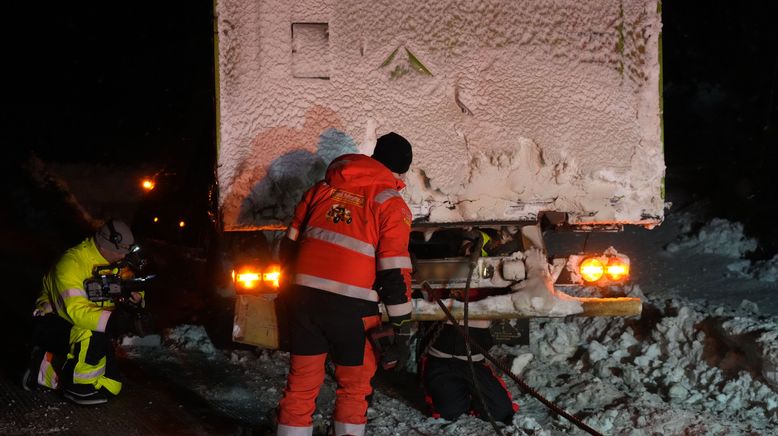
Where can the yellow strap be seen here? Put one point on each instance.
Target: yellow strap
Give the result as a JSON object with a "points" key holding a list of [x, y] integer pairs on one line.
{"points": [[486, 240]]}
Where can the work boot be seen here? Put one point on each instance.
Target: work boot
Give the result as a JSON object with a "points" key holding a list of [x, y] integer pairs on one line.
{"points": [[30, 377], [85, 395], [29, 381]]}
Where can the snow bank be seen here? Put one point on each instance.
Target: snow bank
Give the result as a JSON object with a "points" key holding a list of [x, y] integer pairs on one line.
{"points": [[654, 375], [670, 372], [718, 236], [724, 238]]}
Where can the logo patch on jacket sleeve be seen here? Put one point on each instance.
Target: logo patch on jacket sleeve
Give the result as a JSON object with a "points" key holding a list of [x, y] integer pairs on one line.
{"points": [[339, 213]]}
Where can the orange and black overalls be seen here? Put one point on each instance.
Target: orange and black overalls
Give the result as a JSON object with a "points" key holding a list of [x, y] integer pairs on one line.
{"points": [[352, 232]]}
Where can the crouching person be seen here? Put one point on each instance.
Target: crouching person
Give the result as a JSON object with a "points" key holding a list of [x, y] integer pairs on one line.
{"points": [[448, 382], [72, 334]]}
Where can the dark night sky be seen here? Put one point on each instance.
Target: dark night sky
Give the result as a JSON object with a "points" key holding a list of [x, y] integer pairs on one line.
{"points": [[721, 110], [90, 82], [721, 75], [94, 82]]}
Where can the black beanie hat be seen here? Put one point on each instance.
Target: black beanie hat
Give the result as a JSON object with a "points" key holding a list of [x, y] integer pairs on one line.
{"points": [[394, 152]]}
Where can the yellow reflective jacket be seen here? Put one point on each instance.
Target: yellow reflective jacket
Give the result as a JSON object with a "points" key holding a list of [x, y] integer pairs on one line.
{"points": [[63, 291]]}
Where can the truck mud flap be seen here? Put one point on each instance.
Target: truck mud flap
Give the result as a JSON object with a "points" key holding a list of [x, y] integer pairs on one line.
{"points": [[262, 321]]}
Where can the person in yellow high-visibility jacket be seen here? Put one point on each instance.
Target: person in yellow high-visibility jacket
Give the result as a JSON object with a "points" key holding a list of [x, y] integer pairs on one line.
{"points": [[64, 312]]}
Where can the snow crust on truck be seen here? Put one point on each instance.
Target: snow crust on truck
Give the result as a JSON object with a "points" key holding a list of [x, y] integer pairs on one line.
{"points": [[513, 108]]}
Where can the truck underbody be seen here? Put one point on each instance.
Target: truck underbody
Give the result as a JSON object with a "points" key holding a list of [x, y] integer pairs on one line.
{"points": [[519, 284]]}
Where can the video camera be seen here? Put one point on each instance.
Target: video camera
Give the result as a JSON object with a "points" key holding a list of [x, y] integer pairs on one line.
{"points": [[116, 282]]}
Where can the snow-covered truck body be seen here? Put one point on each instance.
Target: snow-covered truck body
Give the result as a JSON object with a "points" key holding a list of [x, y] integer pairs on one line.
{"points": [[516, 110]]}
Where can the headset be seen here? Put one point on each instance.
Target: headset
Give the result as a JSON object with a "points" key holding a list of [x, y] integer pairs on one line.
{"points": [[115, 237]]}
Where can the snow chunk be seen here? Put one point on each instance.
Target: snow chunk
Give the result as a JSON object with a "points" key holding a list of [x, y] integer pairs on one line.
{"points": [[765, 270], [536, 295], [719, 236], [145, 341], [520, 362], [190, 337], [597, 351], [559, 342]]}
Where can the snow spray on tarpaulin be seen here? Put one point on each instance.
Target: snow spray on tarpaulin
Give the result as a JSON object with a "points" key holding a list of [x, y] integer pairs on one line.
{"points": [[275, 196]]}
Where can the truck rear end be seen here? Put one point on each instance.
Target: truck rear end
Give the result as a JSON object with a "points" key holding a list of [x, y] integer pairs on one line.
{"points": [[525, 118]]}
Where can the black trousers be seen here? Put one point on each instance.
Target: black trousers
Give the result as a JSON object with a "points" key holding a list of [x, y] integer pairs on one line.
{"points": [[450, 389], [322, 322], [51, 333]]}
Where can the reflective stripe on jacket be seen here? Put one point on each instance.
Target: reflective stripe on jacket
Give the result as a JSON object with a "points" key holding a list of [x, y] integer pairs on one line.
{"points": [[351, 225], [63, 291]]}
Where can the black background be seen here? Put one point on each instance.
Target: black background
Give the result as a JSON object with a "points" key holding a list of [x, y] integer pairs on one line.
{"points": [[721, 110], [93, 82]]}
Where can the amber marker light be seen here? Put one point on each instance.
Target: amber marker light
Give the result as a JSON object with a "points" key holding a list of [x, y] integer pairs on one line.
{"points": [[617, 269], [246, 279], [147, 184], [181, 224], [272, 276], [156, 219], [591, 269]]}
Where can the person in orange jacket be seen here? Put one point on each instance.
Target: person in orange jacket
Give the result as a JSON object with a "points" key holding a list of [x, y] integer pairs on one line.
{"points": [[351, 233]]}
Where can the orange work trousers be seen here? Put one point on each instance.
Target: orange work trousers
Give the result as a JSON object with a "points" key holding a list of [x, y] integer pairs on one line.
{"points": [[306, 375]]}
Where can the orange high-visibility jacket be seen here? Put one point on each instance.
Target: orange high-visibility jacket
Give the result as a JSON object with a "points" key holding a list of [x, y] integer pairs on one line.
{"points": [[350, 226]]}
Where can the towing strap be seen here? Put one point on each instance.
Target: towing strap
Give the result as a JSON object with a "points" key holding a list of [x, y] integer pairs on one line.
{"points": [[466, 334]]}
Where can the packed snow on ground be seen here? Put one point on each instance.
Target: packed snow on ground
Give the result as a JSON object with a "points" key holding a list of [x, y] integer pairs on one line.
{"points": [[689, 365]]}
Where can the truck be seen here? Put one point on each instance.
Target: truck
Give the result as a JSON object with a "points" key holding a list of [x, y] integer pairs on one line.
{"points": [[526, 118]]}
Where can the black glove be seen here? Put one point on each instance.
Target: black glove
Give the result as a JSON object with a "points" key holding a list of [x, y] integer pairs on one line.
{"points": [[120, 322], [144, 323], [396, 355]]}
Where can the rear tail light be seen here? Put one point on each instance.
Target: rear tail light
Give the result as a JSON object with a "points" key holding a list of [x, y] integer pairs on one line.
{"points": [[617, 269], [254, 279], [272, 276], [591, 269], [609, 268]]}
